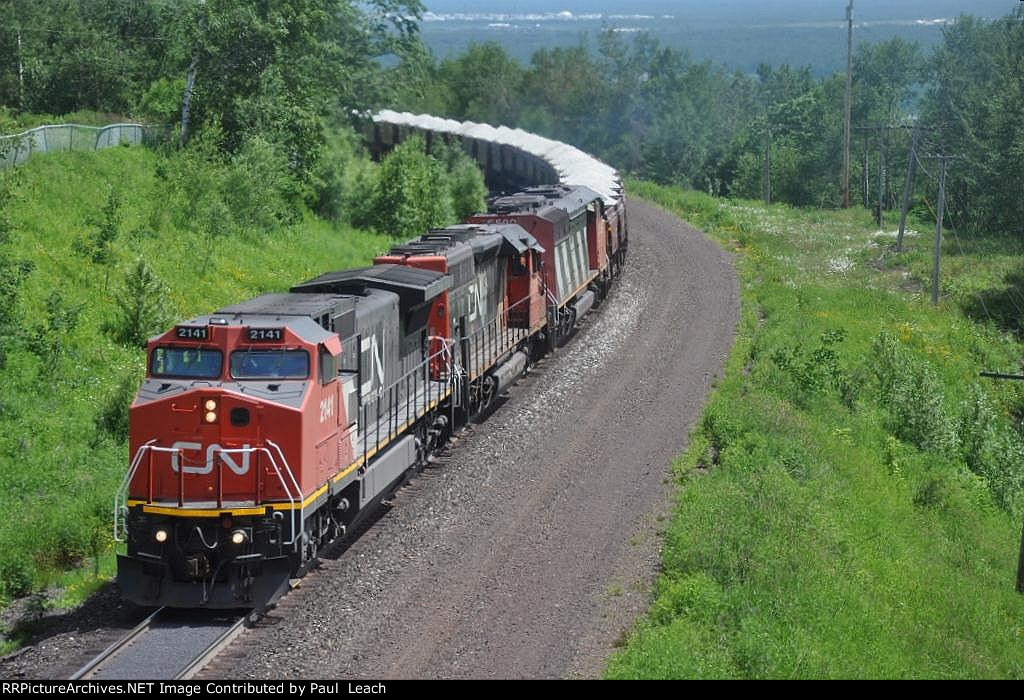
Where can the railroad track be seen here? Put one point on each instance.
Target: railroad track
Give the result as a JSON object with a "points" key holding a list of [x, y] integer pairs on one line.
{"points": [[168, 645]]}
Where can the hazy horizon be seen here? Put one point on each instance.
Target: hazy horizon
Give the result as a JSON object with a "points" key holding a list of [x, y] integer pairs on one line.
{"points": [[738, 34]]}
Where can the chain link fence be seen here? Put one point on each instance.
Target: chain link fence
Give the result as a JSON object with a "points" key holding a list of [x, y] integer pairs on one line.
{"points": [[16, 149]]}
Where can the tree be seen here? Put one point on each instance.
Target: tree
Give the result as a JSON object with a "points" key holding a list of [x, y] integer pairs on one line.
{"points": [[977, 99], [140, 306], [409, 195], [485, 84], [886, 75]]}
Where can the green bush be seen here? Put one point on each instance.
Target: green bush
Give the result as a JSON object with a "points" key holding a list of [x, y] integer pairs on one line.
{"points": [[217, 195], [992, 448], [911, 391], [16, 573], [410, 194], [258, 188], [465, 181], [811, 371], [113, 417], [140, 306], [48, 341], [338, 177]]}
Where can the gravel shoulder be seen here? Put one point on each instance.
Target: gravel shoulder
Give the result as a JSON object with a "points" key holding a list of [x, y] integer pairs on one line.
{"points": [[530, 547]]}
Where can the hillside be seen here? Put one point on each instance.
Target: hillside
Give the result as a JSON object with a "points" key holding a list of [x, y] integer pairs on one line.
{"points": [[68, 378], [850, 504]]}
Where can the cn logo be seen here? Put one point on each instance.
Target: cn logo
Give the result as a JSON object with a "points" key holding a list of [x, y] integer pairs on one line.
{"points": [[212, 453]]}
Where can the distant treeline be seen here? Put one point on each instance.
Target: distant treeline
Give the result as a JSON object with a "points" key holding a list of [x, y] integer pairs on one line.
{"points": [[280, 78], [654, 112]]}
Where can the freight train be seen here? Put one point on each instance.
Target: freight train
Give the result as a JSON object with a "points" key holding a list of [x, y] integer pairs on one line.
{"points": [[266, 429]]}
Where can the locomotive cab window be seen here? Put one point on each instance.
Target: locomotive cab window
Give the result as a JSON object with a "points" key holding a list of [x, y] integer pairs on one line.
{"points": [[186, 363], [328, 366], [266, 363], [519, 266]]}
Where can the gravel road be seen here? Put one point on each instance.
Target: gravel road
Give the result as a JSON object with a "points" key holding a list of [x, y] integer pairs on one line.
{"points": [[530, 547]]}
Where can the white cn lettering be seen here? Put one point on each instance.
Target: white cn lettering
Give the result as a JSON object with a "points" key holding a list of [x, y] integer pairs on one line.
{"points": [[212, 453], [326, 409], [178, 447], [375, 364]]}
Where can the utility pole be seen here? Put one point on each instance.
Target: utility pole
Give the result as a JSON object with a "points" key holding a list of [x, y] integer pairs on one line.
{"points": [[847, 105], [882, 133], [866, 185], [882, 130], [1020, 557], [908, 185], [939, 211], [21, 75], [768, 166]]}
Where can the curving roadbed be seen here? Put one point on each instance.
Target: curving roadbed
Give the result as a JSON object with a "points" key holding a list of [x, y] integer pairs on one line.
{"points": [[501, 561]]}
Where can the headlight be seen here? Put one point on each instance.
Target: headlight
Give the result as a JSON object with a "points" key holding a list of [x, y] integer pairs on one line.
{"points": [[211, 405], [160, 535], [238, 536], [211, 417]]}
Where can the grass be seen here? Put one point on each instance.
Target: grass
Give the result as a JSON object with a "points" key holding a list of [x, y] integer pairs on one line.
{"points": [[850, 502], [59, 468]]}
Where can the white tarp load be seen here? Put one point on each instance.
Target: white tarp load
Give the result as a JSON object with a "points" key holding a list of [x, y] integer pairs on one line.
{"points": [[574, 167]]}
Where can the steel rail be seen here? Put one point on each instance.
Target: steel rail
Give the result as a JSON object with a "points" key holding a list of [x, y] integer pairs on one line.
{"points": [[117, 646], [206, 654]]}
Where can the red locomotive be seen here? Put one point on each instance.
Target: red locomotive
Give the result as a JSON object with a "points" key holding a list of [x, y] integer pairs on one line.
{"points": [[265, 429]]}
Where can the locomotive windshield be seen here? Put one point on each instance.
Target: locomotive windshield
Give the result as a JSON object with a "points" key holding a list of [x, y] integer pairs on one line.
{"points": [[270, 364], [190, 363]]}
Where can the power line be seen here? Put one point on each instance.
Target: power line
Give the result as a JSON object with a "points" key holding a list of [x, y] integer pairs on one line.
{"points": [[958, 224]]}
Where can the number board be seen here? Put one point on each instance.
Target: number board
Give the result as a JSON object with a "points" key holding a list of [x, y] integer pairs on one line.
{"points": [[192, 332], [264, 335]]}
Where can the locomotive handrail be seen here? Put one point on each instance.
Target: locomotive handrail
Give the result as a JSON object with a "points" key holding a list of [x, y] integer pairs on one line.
{"points": [[292, 500], [121, 497], [395, 406], [486, 338]]}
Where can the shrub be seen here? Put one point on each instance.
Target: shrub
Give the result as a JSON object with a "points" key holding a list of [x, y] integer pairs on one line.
{"points": [[140, 306], [113, 416], [410, 194], [992, 448], [339, 177], [257, 187], [49, 340], [465, 180], [98, 248], [16, 573], [910, 391], [813, 370]]}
